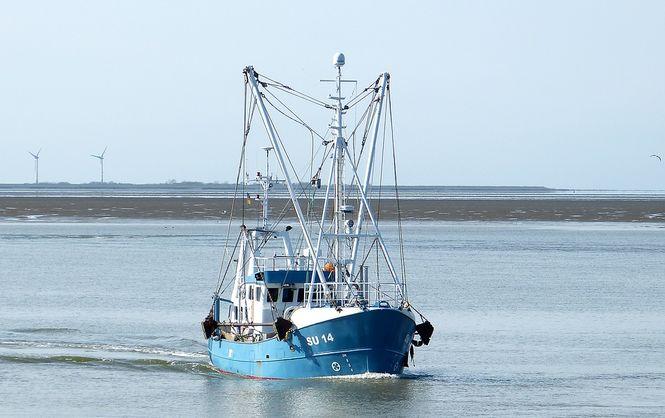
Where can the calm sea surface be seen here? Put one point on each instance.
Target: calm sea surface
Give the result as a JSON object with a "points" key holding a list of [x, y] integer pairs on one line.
{"points": [[531, 318]]}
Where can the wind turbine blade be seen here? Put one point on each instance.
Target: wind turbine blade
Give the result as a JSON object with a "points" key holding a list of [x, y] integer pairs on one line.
{"points": [[40, 150], [105, 148], [33, 155]]}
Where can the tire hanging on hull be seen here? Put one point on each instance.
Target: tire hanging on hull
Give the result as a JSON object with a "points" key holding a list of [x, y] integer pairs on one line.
{"points": [[209, 325], [282, 327], [424, 331]]}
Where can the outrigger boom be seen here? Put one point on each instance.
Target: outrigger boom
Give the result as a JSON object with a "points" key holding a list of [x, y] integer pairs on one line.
{"points": [[251, 77]]}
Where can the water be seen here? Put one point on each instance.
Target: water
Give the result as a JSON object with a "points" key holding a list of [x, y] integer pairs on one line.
{"points": [[531, 318]]}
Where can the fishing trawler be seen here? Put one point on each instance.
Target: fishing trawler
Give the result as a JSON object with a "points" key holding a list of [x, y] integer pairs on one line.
{"points": [[303, 301]]}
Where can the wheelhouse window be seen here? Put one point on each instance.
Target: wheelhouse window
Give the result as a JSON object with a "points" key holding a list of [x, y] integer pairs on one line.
{"points": [[251, 293], [287, 294], [273, 292], [258, 293], [301, 295]]}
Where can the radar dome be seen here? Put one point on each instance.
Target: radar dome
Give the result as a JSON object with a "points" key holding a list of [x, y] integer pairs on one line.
{"points": [[338, 59]]}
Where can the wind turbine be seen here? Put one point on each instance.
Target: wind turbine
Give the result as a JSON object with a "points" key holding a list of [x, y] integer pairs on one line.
{"points": [[101, 162], [36, 157]]}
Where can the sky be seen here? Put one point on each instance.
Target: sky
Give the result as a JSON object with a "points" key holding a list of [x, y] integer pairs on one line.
{"points": [[567, 94]]}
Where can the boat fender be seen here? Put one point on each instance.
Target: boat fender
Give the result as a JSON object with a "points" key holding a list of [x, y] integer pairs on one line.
{"points": [[209, 325], [425, 331], [283, 328]]}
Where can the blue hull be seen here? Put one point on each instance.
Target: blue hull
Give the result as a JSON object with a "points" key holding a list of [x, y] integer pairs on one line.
{"points": [[374, 341]]}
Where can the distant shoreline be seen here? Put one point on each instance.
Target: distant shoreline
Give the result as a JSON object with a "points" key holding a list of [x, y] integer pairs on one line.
{"points": [[196, 184], [461, 209]]}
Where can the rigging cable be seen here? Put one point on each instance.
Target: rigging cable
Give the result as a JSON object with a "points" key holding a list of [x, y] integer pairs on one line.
{"points": [[370, 110], [399, 212], [291, 90], [299, 120], [372, 86], [221, 277], [378, 210], [288, 158]]}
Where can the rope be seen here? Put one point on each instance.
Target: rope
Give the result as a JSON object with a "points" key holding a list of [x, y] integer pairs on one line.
{"points": [[217, 292], [299, 120], [292, 91], [358, 98], [399, 212]]}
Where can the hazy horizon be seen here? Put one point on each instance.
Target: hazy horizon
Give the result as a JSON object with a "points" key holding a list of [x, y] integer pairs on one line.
{"points": [[223, 183], [184, 184], [562, 95]]}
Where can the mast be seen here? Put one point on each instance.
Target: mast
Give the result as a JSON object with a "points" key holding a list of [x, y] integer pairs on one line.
{"points": [[266, 183], [340, 145]]}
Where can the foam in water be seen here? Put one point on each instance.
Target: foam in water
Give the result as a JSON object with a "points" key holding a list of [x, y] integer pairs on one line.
{"points": [[367, 375], [104, 347], [143, 363], [45, 330]]}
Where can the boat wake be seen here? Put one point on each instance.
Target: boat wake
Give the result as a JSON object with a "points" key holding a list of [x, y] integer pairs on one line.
{"points": [[364, 376], [135, 357], [129, 357], [101, 347], [147, 364], [45, 330]]}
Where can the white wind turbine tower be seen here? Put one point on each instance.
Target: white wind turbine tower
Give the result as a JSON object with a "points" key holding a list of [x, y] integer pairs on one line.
{"points": [[101, 162], [36, 157]]}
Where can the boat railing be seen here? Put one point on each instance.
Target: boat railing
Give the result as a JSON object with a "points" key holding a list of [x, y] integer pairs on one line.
{"points": [[282, 262], [325, 294], [354, 293], [389, 292]]}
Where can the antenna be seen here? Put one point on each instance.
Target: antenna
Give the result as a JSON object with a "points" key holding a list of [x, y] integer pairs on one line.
{"points": [[36, 157], [267, 150], [100, 157], [266, 182]]}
